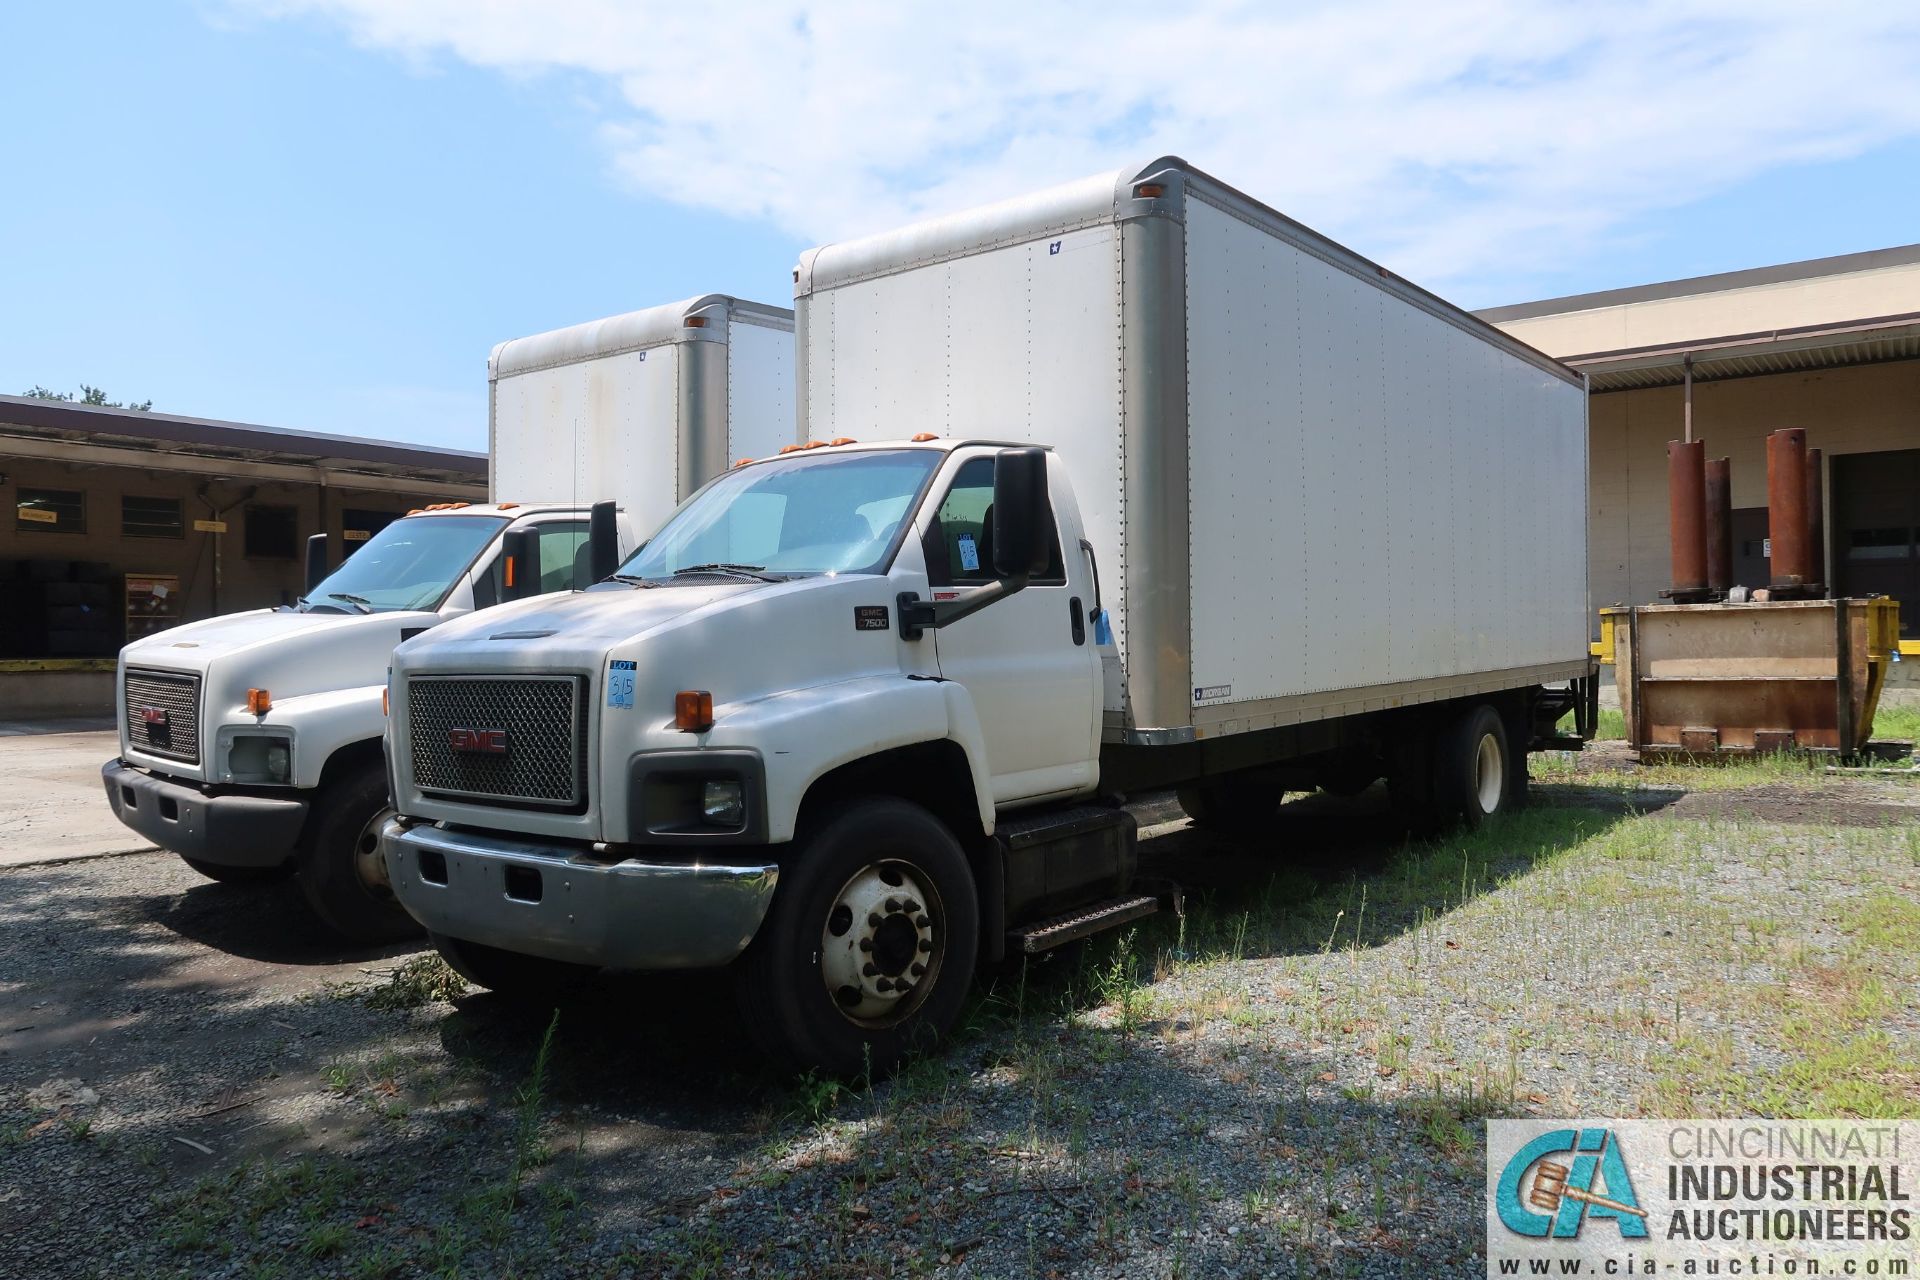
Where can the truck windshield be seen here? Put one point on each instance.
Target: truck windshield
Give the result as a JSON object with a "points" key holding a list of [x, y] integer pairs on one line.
{"points": [[810, 513], [410, 564]]}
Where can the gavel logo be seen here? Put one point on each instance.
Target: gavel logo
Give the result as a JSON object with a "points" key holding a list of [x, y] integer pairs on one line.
{"points": [[1567, 1164], [1550, 1187]]}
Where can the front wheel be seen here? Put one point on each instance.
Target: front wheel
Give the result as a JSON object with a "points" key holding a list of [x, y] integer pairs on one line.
{"points": [[869, 948], [339, 864]]}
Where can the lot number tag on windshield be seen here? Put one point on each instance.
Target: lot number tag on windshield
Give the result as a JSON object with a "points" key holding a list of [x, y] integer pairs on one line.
{"points": [[620, 677]]}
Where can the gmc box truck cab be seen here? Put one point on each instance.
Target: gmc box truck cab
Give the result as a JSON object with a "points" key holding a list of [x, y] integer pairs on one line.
{"points": [[250, 743], [1193, 498]]}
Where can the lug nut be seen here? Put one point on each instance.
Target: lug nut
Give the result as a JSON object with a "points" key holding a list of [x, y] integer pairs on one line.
{"points": [[893, 904], [884, 984], [911, 905], [926, 945], [866, 944], [873, 919], [922, 922], [919, 970], [869, 969]]}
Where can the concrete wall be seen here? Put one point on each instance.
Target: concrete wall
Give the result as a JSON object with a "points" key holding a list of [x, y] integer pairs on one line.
{"points": [[1866, 408], [246, 582]]}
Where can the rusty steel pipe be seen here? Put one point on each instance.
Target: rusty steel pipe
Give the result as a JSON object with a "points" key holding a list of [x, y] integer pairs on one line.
{"points": [[1816, 521], [1719, 518], [1790, 569], [1686, 516]]}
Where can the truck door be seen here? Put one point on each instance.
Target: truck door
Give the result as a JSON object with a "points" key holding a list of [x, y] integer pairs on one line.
{"points": [[1029, 661]]}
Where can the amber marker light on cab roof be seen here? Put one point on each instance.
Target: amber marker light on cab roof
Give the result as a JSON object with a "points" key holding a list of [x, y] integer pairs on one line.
{"points": [[839, 440], [791, 448], [259, 702], [925, 436], [693, 711], [741, 462]]}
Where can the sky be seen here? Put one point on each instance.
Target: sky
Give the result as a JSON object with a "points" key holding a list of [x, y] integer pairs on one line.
{"points": [[322, 214]]}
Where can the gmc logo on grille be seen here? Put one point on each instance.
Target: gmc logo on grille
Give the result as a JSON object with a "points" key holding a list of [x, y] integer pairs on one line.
{"points": [[486, 742], [155, 716]]}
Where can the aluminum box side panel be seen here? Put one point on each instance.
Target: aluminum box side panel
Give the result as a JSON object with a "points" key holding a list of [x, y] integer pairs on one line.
{"points": [[1020, 343], [587, 431], [761, 416], [1378, 496]]}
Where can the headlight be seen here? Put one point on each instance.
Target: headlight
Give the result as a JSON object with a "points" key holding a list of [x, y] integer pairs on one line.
{"points": [[723, 803], [258, 758]]}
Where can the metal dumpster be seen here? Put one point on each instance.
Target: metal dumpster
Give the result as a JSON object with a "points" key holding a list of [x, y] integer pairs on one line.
{"points": [[1700, 679]]}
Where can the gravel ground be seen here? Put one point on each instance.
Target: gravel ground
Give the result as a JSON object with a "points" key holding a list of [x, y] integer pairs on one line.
{"points": [[195, 1081]]}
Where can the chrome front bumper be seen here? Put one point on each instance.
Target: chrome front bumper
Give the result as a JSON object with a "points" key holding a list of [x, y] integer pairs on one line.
{"points": [[545, 899]]}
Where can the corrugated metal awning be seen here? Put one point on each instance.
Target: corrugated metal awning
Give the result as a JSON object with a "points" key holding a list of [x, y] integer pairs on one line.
{"points": [[1868, 341]]}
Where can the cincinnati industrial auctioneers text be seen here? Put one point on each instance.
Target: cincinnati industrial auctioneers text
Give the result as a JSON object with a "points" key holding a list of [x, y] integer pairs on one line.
{"points": [[1633, 1197]]}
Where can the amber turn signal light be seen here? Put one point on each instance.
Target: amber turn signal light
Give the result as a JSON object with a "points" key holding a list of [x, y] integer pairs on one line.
{"points": [[693, 711], [259, 702]]}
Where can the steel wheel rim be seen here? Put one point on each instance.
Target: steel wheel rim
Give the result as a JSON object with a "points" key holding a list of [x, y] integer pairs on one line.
{"points": [[368, 865], [1489, 773], [881, 943]]}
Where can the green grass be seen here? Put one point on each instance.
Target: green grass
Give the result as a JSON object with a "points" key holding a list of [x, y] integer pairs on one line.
{"points": [[1899, 723]]}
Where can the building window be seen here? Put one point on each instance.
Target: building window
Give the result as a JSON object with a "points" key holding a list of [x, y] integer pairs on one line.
{"points": [[272, 533], [51, 511], [359, 524], [151, 517]]}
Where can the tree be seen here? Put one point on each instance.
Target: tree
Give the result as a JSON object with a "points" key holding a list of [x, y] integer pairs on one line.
{"points": [[88, 395]]}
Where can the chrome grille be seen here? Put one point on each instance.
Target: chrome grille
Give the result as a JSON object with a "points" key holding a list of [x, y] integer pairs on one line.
{"points": [[538, 757], [163, 714]]}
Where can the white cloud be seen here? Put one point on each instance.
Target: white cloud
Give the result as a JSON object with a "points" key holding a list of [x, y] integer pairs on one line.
{"points": [[1451, 140]]}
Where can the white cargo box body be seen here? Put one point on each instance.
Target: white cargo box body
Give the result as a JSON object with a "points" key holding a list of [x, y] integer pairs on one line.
{"points": [[642, 408], [1314, 489]]}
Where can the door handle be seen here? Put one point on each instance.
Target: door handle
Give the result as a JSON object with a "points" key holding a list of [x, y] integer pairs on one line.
{"points": [[1079, 618]]}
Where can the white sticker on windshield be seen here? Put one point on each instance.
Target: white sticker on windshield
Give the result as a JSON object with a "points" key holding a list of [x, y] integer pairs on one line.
{"points": [[969, 553]]}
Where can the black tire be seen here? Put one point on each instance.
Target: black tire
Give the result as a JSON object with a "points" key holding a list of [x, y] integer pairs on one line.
{"points": [[238, 875], [1240, 805], [508, 973], [922, 927], [1473, 767], [338, 862]]}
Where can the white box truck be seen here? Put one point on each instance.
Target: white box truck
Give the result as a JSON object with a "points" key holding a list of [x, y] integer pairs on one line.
{"points": [[250, 744], [1129, 483]]}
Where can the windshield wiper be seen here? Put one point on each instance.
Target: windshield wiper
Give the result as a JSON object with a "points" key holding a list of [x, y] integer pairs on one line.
{"points": [[630, 580], [738, 570], [366, 605]]}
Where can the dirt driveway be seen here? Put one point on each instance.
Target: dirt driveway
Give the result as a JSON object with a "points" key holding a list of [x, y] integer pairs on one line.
{"points": [[51, 803], [195, 1081]]}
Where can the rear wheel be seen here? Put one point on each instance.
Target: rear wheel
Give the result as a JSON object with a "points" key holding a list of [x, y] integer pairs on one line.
{"points": [[869, 948], [238, 875], [1473, 767], [341, 871], [507, 972]]}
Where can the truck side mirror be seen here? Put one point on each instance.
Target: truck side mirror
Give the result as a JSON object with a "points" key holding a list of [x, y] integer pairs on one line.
{"points": [[316, 561], [1020, 512], [603, 542], [520, 563]]}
